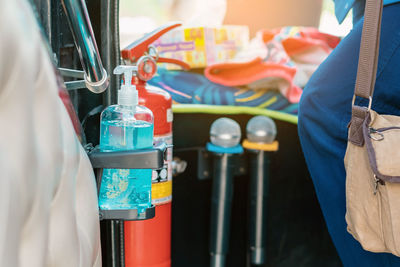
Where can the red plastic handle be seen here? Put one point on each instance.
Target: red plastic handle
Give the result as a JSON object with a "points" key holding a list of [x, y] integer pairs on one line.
{"points": [[138, 48], [182, 64]]}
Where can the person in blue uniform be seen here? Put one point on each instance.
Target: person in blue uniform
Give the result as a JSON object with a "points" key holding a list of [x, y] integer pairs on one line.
{"points": [[325, 110]]}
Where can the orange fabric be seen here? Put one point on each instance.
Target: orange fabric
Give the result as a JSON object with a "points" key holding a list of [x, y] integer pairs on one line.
{"points": [[282, 59], [236, 74], [307, 37]]}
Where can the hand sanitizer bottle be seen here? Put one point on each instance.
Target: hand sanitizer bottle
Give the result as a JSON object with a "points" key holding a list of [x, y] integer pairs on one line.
{"points": [[126, 126]]}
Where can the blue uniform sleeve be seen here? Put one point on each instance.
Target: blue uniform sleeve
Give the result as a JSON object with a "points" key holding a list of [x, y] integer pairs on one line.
{"points": [[342, 8]]}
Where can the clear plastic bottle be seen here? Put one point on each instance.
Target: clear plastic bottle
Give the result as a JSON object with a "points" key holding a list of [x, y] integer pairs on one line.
{"points": [[126, 126]]}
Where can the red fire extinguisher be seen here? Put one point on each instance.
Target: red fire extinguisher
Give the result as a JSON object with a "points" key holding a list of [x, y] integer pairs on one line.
{"points": [[148, 243]]}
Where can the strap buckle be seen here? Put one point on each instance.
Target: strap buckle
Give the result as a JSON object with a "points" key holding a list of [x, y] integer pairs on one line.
{"points": [[369, 102]]}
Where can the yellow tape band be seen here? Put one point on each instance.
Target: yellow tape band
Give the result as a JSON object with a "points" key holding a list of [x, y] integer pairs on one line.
{"points": [[274, 146]]}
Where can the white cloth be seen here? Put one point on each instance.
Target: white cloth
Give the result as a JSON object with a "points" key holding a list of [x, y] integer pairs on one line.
{"points": [[48, 200]]}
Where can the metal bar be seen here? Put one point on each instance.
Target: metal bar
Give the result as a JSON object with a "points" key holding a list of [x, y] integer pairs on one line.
{"points": [[96, 77], [115, 244], [259, 180], [152, 158], [44, 8], [80, 74], [128, 215], [74, 85], [221, 206], [122, 242], [109, 22], [48, 26], [110, 46]]}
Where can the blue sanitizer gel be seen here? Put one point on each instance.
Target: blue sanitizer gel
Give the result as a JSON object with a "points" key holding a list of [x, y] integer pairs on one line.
{"points": [[126, 126]]}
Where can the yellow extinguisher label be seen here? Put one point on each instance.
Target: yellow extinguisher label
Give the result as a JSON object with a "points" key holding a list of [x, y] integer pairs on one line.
{"points": [[161, 192], [161, 189]]}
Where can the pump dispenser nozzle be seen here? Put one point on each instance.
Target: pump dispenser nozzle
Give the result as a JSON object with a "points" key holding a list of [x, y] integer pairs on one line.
{"points": [[127, 95]]}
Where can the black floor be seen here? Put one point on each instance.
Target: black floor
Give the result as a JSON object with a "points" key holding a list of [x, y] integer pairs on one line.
{"points": [[297, 235]]}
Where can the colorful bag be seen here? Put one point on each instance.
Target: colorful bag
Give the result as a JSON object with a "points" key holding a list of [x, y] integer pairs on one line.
{"points": [[282, 59]]}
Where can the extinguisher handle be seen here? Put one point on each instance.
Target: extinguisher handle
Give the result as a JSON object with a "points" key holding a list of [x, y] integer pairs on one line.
{"points": [[180, 63], [139, 47]]}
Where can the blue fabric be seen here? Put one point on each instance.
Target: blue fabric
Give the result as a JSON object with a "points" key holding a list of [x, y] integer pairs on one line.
{"points": [[324, 112], [192, 88], [238, 149], [342, 8]]}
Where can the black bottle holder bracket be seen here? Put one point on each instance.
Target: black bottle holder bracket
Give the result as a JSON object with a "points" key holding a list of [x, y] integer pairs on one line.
{"points": [[152, 158]]}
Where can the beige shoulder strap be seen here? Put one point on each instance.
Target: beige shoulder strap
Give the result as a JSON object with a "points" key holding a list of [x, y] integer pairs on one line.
{"points": [[367, 66], [369, 49]]}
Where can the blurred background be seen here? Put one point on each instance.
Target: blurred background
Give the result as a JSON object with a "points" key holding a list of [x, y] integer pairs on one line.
{"points": [[297, 235], [141, 16]]}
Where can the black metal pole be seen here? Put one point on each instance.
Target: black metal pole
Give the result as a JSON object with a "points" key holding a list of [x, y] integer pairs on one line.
{"points": [[122, 243], [110, 53], [259, 176], [110, 46], [221, 206], [111, 243]]}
